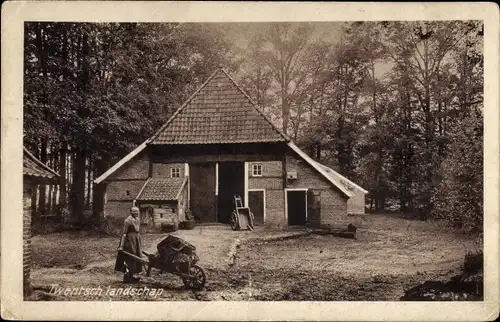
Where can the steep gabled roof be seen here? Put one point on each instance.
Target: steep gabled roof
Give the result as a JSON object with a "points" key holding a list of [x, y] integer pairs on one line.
{"points": [[218, 112], [218, 101], [36, 169], [318, 167]]}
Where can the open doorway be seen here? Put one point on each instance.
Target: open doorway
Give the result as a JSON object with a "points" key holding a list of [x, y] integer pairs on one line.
{"points": [[296, 202], [202, 186], [231, 182]]}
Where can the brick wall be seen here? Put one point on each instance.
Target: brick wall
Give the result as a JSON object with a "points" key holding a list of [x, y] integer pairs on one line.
{"points": [[307, 176], [122, 188], [137, 168], [272, 176], [27, 192], [124, 185], [333, 202], [333, 209], [162, 170], [272, 181], [356, 204], [275, 208], [265, 183], [269, 168], [116, 212]]}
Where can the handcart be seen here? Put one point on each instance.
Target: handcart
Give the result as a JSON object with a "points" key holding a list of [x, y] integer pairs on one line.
{"points": [[175, 256], [241, 217]]}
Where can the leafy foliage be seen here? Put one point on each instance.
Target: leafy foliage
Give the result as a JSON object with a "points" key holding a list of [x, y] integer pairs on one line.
{"points": [[459, 196], [100, 89], [395, 106]]}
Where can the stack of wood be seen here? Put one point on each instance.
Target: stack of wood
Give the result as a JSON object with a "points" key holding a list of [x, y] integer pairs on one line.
{"points": [[349, 232]]}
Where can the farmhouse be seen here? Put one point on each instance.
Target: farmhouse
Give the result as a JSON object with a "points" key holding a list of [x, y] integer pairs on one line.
{"points": [[34, 173], [223, 145]]}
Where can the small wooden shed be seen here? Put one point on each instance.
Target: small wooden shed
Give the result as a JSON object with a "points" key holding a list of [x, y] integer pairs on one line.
{"points": [[163, 203], [35, 173]]}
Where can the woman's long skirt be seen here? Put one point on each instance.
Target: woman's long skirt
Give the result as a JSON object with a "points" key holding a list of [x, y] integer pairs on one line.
{"points": [[131, 245]]}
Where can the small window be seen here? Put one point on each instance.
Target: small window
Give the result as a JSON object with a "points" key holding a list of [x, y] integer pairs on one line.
{"points": [[128, 192], [173, 210], [175, 172], [257, 170]]}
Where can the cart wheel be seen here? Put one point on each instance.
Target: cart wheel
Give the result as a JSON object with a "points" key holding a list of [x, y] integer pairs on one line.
{"points": [[233, 221], [197, 282]]}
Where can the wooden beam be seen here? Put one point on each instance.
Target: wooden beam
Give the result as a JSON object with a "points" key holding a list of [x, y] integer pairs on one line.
{"points": [[245, 178]]}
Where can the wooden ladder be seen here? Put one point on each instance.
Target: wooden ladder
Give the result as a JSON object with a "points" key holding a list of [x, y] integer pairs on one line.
{"points": [[238, 202]]}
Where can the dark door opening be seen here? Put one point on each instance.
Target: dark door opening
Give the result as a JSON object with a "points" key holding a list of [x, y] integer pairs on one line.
{"points": [[202, 192], [256, 204], [231, 182], [296, 207]]}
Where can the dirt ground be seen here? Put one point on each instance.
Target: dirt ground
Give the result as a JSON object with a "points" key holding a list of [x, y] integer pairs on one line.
{"points": [[389, 255]]}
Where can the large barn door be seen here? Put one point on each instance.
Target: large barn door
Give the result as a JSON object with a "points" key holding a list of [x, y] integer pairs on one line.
{"points": [[202, 186], [231, 182]]}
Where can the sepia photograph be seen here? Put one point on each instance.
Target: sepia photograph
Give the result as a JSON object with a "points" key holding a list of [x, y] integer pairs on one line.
{"points": [[262, 161], [254, 161]]}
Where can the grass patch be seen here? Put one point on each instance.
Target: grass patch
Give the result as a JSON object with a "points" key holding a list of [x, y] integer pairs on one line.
{"points": [[390, 254], [76, 249]]}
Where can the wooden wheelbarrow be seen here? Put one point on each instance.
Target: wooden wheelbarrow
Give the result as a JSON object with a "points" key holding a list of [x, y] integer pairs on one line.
{"points": [[241, 217], [193, 276]]}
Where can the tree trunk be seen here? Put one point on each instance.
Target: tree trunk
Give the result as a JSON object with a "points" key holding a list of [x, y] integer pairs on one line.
{"points": [[379, 201], [402, 201], [341, 151], [285, 108], [429, 128], [42, 201], [318, 150], [55, 161], [63, 174], [98, 191], [70, 162], [51, 187], [89, 183], [77, 197]]}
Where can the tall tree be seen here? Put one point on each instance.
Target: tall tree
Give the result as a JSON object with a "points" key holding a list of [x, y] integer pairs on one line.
{"points": [[459, 196], [284, 51], [103, 86]]}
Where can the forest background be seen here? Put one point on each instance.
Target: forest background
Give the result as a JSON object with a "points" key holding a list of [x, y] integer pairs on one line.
{"points": [[395, 106]]}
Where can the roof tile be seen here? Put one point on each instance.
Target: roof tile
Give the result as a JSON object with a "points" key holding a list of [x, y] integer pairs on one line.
{"points": [[161, 189], [220, 112], [35, 168]]}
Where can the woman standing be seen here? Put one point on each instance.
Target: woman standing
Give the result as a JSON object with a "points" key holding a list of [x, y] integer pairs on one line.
{"points": [[131, 243]]}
